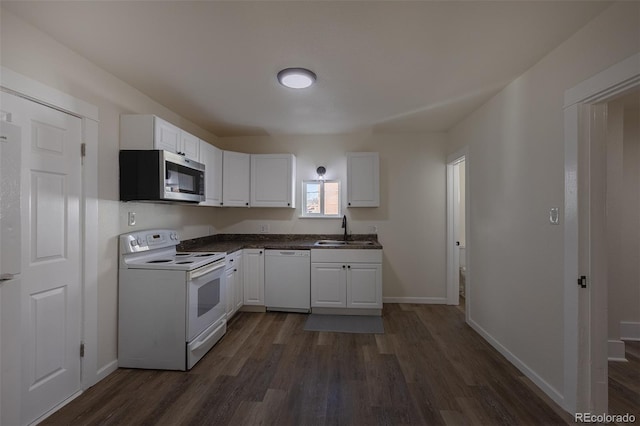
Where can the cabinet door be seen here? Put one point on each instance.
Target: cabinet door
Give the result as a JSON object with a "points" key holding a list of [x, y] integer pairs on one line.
{"points": [[230, 278], [239, 281], [328, 285], [236, 169], [273, 180], [189, 146], [211, 157], [253, 268], [166, 136], [363, 179], [364, 285]]}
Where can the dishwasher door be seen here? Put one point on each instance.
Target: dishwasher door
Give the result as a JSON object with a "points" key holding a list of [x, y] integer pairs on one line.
{"points": [[287, 280]]}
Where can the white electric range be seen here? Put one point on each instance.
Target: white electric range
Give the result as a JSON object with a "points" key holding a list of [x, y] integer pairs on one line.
{"points": [[171, 306]]}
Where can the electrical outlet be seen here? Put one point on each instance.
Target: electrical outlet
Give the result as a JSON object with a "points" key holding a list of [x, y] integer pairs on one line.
{"points": [[132, 218], [264, 228], [373, 229]]}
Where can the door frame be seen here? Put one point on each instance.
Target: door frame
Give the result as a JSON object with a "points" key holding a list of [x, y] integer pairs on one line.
{"points": [[27, 88], [584, 342], [453, 282]]}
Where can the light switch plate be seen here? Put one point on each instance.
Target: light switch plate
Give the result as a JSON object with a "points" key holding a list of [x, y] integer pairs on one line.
{"points": [[554, 215], [132, 218]]}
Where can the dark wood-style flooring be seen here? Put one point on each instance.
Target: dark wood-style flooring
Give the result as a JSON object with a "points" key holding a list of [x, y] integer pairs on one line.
{"points": [[429, 368], [624, 382]]}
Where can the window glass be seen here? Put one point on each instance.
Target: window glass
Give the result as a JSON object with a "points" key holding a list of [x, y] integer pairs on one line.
{"points": [[321, 198]]}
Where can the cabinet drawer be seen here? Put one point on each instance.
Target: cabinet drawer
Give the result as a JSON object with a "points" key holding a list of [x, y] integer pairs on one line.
{"points": [[347, 255]]}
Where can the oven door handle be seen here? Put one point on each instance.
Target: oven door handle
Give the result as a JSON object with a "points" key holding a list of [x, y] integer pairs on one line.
{"points": [[206, 269]]}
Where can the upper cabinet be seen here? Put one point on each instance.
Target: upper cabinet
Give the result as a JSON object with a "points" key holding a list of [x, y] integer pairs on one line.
{"points": [[273, 178], [363, 179], [211, 157], [236, 169], [146, 131]]}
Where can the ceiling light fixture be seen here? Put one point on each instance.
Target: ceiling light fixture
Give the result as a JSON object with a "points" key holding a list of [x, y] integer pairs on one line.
{"points": [[296, 78]]}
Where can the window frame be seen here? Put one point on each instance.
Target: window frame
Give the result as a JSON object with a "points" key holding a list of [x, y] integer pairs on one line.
{"points": [[322, 214]]}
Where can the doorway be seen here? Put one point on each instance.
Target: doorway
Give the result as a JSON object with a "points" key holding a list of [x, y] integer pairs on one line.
{"points": [[585, 116], [457, 220], [41, 380]]}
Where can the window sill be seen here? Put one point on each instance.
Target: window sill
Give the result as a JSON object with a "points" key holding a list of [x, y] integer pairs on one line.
{"points": [[319, 217]]}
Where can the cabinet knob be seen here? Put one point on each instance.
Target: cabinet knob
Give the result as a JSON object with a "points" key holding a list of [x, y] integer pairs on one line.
{"points": [[260, 251], [288, 204], [246, 204], [349, 203], [235, 270], [349, 266], [343, 266], [221, 204]]}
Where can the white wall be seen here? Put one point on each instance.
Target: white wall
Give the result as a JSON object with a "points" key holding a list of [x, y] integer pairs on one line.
{"points": [[411, 221], [34, 54], [623, 215], [516, 170]]}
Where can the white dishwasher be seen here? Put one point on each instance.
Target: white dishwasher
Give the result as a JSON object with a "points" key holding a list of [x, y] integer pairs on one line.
{"points": [[287, 280]]}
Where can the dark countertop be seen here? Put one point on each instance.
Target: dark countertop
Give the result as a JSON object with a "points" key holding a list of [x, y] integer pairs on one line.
{"points": [[233, 242]]}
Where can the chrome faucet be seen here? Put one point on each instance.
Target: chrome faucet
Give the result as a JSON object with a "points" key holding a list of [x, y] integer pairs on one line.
{"points": [[344, 225]]}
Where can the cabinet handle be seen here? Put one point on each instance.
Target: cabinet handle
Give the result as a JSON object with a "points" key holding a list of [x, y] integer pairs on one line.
{"points": [[288, 204], [235, 270], [221, 204], [246, 204], [343, 266], [260, 251], [230, 260], [349, 203], [349, 266]]}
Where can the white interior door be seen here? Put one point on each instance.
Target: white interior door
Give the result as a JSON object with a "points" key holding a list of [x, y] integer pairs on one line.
{"points": [[51, 259]]}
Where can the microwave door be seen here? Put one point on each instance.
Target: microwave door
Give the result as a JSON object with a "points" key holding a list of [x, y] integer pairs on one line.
{"points": [[10, 169]]}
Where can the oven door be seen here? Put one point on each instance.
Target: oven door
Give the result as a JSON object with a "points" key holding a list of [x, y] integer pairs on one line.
{"points": [[206, 299]]}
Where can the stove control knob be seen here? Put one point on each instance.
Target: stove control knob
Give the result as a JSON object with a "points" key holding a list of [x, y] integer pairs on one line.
{"points": [[133, 243], [139, 241]]}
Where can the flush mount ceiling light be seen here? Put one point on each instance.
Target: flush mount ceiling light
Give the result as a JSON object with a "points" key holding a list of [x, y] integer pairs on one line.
{"points": [[296, 78]]}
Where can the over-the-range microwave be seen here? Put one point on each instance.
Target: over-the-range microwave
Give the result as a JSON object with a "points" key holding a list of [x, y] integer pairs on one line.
{"points": [[161, 176]]}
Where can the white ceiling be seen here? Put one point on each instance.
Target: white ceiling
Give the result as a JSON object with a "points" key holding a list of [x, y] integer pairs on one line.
{"points": [[385, 66]]}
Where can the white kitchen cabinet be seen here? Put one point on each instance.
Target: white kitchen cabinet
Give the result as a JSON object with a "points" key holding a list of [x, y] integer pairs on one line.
{"points": [[346, 278], [273, 179], [234, 283], [211, 157], [363, 179], [189, 146], [364, 285], [236, 171], [253, 269], [328, 285], [146, 131]]}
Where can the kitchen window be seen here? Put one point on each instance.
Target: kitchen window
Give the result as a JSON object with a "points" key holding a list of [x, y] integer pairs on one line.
{"points": [[321, 198]]}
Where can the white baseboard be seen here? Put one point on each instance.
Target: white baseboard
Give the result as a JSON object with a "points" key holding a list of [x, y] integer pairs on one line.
{"points": [[615, 350], [418, 300], [629, 330], [106, 370], [519, 364]]}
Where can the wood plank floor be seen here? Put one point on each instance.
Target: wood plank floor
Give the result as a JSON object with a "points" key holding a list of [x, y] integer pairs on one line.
{"points": [[429, 368], [624, 382]]}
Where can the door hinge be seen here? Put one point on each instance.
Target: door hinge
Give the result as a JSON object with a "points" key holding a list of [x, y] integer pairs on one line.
{"points": [[83, 149], [582, 281], [81, 350]]}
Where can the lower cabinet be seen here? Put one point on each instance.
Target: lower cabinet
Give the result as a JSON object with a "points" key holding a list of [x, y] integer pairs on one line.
{"points": [[234, 283], [346, 279], [253, 269]]}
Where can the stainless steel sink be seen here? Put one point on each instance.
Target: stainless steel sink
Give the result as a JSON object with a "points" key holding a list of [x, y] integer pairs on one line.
{"points": [[343, 243]]}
